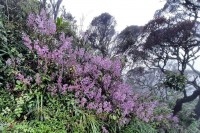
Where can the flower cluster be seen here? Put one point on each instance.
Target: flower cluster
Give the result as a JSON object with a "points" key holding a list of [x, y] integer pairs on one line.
{"points": [[44, 51], [41, 23], [24, 80], [95, 81]]}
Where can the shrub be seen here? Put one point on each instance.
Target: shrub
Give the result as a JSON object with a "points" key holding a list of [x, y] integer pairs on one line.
{"points": [[57, 81]]}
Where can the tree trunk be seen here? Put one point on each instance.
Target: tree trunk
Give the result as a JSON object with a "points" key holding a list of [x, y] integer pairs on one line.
{"points": [[179, 103], [55, 7], [43, 4]]}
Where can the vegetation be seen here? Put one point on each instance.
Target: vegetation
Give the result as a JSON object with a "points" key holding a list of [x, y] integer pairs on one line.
{"points": [[54, 80]]}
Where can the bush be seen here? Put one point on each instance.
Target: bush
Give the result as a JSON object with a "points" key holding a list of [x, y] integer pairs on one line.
{"points": [[56, 86]]}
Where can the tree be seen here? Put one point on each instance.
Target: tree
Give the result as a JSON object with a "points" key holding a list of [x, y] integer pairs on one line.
{"points": [[101, 32], [43, 4], [67, 16], [179, 8], [175, 38], [127, 39], [55, 7], [147, 81], [127, 44], [171, 37]]}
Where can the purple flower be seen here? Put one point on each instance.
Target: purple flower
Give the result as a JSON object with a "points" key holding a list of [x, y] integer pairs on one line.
{"points": [[41, 23], [97, 60], [127, 107], [83, 101], [20, 76], [106, 64], [9, 62], [107, 106], [31, 20], [27, 41], [104, 130], [99, 110], [73, 87], [81, 52], [87, 68], [159, 118], [59, 79], [37, 78], [86, 81], [146, 119], [26, 81], [91, 94], [77, 94], [106, 81], [50, 27], [64, 88], [116, 68], [79, 69], [175, 119], [91, 106], [119, 96], [98, 95]]}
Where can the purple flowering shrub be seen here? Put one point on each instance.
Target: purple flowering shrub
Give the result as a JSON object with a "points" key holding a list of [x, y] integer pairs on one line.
{"points": [[41, 23], [95, 81]]}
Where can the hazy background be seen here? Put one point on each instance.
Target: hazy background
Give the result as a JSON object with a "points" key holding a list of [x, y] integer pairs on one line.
{"points": [[126, 12]]}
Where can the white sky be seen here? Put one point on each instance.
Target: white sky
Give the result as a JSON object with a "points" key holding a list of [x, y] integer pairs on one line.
{"points": [[126, 12]]}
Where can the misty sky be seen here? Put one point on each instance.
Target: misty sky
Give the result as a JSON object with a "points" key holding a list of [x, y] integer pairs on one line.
{"points": [[126, 12]]}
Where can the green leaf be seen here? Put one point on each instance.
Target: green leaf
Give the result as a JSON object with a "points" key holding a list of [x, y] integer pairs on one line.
{"points": [[18, 82]]}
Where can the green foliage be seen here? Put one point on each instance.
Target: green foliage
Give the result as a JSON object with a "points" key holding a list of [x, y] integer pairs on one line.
{"points": [[61, 114], [64, 26], [35, 127], [187, 122], [194, 127], [175, 81], [13, 21], [138, 126], [32, 108], [29, 6], [6, 102], [3, 38]]}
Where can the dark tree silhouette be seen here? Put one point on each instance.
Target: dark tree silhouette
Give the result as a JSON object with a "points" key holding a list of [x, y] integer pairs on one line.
{"points": [[101, 32], [127, 38]]}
